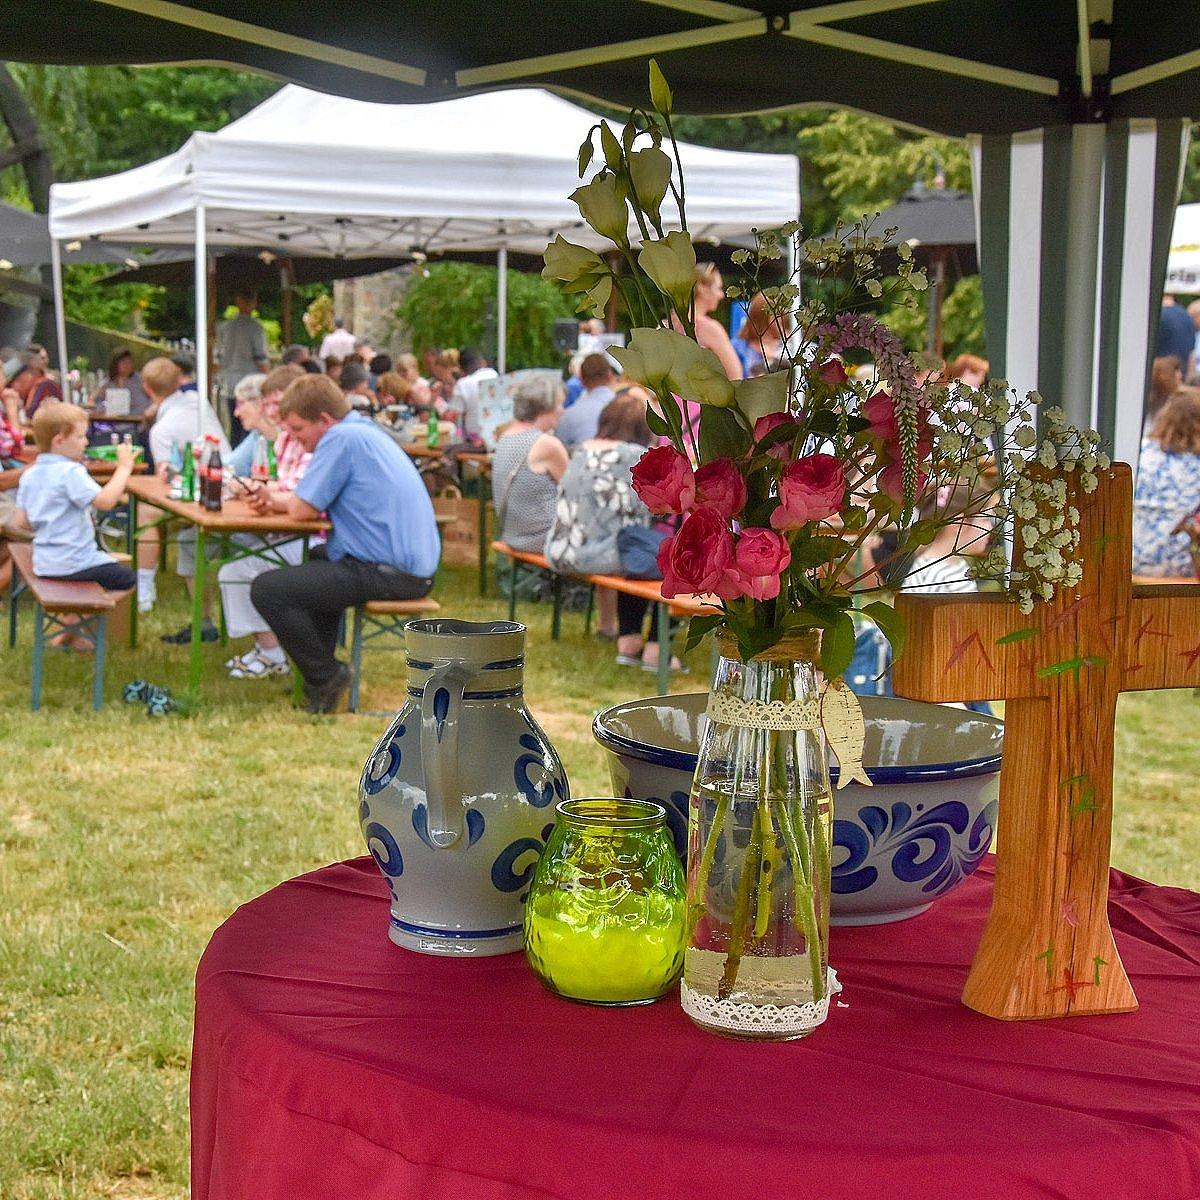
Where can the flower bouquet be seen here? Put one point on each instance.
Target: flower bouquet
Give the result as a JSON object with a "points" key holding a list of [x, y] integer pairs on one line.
{"points": [[798, 494]]}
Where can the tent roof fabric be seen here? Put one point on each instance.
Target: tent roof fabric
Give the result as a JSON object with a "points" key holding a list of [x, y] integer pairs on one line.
{"points": [[952, 66], [25, 242], [315, 174]]}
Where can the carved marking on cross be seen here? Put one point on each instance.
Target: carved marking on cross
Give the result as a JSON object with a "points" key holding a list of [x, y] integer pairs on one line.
{"points": [[1059, 672]]}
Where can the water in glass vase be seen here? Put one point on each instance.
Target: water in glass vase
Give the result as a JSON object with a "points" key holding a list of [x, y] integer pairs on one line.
{"points": [[759, 837]]}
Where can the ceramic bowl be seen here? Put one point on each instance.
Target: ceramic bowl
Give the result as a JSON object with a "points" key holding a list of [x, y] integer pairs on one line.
{"points": [[914, 836]]}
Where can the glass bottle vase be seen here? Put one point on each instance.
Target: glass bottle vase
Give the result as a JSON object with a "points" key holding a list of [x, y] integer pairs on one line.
{"points": [[759, 834]]}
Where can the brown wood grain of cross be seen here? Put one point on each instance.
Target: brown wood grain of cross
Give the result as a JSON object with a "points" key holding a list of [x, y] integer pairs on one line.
{"points": [[1060, 686]]}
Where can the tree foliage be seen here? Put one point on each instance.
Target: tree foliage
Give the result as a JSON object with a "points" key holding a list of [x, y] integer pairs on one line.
{"points": [[97, 120], [447, 304]]}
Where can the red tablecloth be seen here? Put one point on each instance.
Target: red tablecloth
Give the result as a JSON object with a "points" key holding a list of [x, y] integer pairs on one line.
{"points": [[330, 1063]]}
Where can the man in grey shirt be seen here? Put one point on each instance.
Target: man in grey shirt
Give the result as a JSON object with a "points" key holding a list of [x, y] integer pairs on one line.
{"points": [[579, 422], [241, 343], [241, 350]]}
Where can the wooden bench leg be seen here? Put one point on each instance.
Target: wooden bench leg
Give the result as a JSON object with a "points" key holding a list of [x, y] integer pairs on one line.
{"points": [[664, 649], [101, 642], [14, 595], [356, 657], [39, 647], [512, 590], [556, 590]]}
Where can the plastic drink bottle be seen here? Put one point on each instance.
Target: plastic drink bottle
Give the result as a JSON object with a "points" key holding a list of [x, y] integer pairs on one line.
{"points": [[214, 476]]}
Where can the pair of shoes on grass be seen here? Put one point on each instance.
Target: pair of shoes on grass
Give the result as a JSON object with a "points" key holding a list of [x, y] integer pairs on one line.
{"points": [[636, 660], [255, 665], [327, 697], [183, 637], [158, 700]]}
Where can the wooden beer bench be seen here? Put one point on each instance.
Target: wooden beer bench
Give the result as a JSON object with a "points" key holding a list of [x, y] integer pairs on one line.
{"points": [[54, 599], [380, 618], [645, 589]]}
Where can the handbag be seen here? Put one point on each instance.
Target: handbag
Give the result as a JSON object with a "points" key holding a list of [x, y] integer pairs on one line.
{"points": [[637, 548]]}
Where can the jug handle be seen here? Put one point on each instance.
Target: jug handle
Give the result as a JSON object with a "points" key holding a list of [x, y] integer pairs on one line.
{"points": [[441, 703]]}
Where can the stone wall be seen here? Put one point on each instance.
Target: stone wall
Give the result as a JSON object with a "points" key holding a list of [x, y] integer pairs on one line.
{"points": [[369, 303]]}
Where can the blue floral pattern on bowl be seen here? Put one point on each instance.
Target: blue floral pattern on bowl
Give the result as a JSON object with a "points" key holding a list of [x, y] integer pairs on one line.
{"points": [[923, 827]]}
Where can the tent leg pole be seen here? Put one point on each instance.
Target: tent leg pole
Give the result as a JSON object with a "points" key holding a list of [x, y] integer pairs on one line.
{"points": [[1079, 304], [201, 318], [60, 318], [502, 309]]}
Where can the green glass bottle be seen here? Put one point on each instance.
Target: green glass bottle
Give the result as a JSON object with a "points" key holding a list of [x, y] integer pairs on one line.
{"points": [[432, 432], [272, 463], [604, 920], [187, 478]]}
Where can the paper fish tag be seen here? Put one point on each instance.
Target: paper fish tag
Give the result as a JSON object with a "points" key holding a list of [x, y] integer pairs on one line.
{"points": [[845, 730]]}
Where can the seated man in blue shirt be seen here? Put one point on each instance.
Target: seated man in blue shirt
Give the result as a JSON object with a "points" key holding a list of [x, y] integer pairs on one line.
{"points": [[384, 544]]}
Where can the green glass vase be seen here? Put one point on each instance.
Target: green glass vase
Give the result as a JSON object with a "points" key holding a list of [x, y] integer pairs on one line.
{"points": [[604, 921]]}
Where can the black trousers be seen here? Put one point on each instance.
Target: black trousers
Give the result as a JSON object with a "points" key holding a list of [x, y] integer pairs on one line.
{"points": [[303, 605], [631, 617], [114, 576]]}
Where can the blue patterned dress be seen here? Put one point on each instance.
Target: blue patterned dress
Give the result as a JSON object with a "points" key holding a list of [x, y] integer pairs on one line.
{"points": [[1168, 489]]}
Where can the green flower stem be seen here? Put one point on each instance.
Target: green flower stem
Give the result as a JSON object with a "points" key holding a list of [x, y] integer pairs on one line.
{"points": [[740, 917], [806, 900], [768, 861], [696, 903]]}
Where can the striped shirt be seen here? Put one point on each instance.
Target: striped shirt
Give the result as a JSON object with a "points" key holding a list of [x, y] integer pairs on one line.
{"points": [[947, 574]]}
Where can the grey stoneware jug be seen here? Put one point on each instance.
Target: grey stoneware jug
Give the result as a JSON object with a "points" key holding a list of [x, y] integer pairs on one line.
{"points": [[457, 799]]}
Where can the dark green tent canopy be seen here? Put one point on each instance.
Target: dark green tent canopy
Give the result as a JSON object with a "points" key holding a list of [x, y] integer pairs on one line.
{"points": [[954, 66]]}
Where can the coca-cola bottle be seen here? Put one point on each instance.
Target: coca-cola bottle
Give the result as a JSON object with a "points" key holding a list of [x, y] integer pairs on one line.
{"points": [[214, 475]]}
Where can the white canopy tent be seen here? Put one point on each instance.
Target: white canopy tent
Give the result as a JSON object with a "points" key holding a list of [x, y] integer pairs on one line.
{"points": [[324, 175], [1183, 263]]}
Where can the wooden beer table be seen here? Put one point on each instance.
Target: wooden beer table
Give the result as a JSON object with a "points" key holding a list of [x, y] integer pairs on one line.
{"points": [[235, 516]]}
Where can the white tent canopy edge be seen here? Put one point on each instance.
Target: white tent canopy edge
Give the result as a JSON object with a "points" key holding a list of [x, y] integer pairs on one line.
{"points": [[326, 175]]}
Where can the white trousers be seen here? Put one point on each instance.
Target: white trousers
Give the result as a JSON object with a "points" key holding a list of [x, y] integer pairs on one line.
{"points": [[241, 617]]}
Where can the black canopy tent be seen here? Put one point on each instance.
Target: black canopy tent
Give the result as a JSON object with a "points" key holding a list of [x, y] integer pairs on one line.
{"points": [[954, 66], [1079, 111], [939, 225]]}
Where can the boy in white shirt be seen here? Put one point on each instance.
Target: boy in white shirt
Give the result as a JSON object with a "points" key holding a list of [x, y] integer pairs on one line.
{"points": [[55, 499]]}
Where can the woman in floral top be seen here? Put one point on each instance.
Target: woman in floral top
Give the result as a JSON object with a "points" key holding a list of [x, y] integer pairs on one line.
{"points": [[596, 501], [1168, 489]]}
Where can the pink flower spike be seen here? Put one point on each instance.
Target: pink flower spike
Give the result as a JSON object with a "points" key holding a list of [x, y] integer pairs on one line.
{"points": [[891, 483]]}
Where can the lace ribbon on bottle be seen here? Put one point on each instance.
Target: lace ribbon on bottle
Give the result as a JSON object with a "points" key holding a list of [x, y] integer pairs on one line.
{"points": [[769, 1019], [726, 709]]}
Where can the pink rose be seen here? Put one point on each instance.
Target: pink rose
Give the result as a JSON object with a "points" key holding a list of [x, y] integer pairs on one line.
{"points": [[664, 481], [719, 485], [810, 489], [891, 483], [764, 425], [880, 410], [698, 558], [760, 559], [832, 372]]}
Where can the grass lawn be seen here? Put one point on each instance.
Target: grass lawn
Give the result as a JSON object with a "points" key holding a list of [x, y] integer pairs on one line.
{"points": [[125, 840]]}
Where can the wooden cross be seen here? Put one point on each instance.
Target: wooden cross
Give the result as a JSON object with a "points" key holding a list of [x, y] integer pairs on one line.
{"points": [[1047, 949]]}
